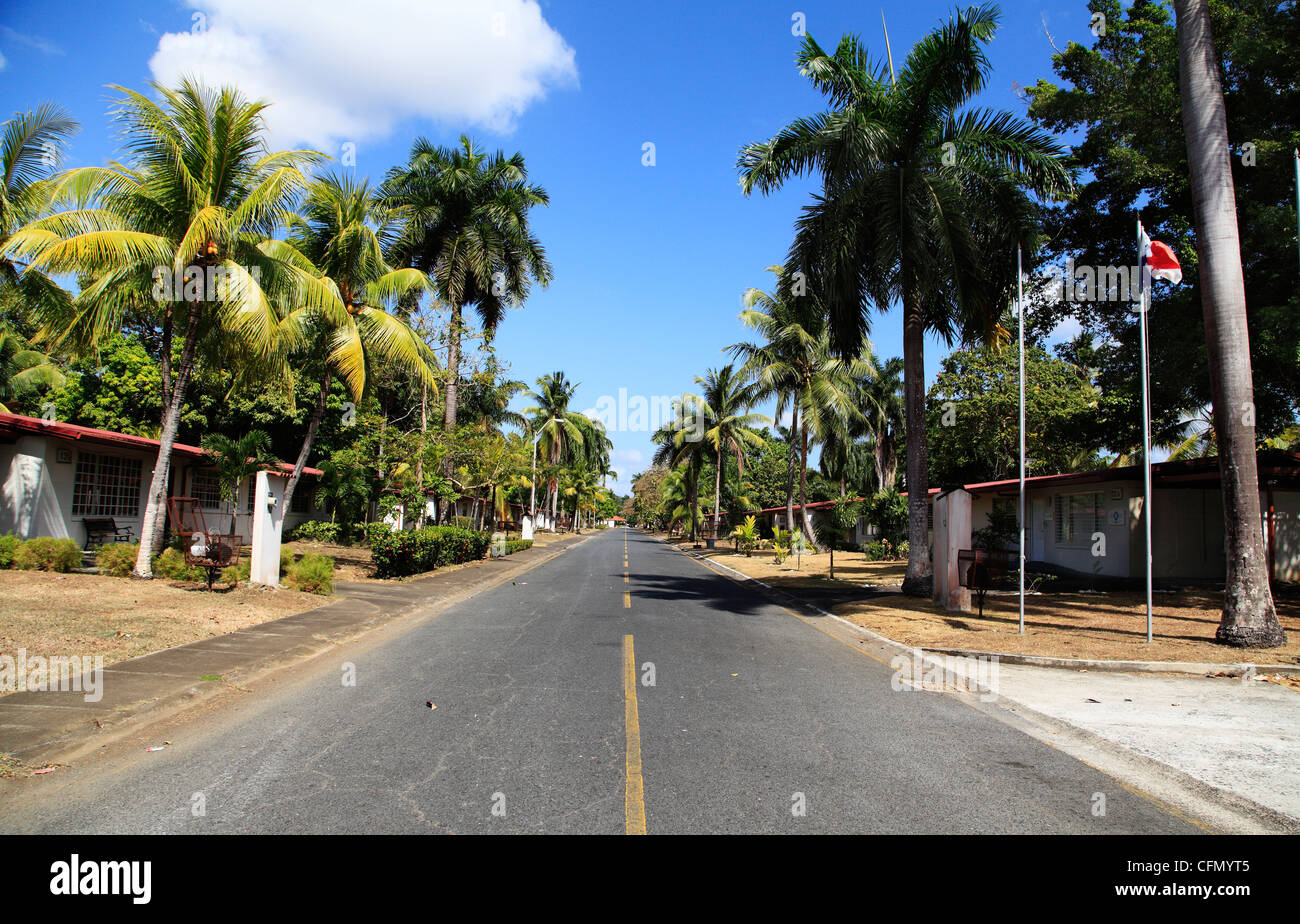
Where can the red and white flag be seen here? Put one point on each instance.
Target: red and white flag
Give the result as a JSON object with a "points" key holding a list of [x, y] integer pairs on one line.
{"points": [[1158, 260]]}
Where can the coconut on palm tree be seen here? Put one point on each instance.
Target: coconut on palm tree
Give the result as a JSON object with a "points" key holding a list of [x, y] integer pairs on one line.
{"points": [[465, 222], [922, 203], [183, 228], [338, 235]]}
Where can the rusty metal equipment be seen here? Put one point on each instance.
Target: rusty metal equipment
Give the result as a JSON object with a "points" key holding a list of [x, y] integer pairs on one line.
{"points": [[203, 549], [983, 569]]}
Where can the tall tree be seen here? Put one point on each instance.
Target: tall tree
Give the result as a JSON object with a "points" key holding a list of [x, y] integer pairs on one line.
{"points": [[338, 235], [465, 222], [917, 195], [556, 429], [237, 460], [725, 399], [187, 219], [1249, 619]]}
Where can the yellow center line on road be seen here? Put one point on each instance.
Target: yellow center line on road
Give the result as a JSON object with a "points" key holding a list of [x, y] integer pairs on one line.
{"points": [[634, 795], [627, 600]]}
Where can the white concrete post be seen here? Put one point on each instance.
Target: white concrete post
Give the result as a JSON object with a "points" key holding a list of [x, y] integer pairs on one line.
{"points": [[526, 528], [268, 520], [952, 533]]}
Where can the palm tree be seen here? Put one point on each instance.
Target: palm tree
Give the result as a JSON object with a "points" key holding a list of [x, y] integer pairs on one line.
{"points": [[338, 235], [465, 223], [917, 196], [725, 399], [22, 369], [237, 460], [1249, 618], [793, 363], [31, 145], [200, 196], [556, 429], [682, 448], [884, 409]]}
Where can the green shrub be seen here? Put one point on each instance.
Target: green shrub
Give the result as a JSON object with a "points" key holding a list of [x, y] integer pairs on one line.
{"points": [[368, 531], [317, 531], [46, 554], [416, 551], [171, 565], [287, 554], [117, 559], [313, 574], [236, 572], [8, 546]]}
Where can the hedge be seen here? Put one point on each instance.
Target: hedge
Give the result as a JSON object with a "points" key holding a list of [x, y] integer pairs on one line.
{"points": [[402, 553], [516, 545], [46, 554]]}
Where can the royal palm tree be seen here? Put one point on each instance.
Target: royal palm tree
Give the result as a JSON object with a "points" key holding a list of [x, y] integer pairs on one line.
{"points": [[1249, 618], [199, 198], [339, 234], [237, 460], [724, 402], [31, 147], [465, 222], [921, 203]]}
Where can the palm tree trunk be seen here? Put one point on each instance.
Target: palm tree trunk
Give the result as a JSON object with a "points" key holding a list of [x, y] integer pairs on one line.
{"points": [[453, 368], [717, 495], [1249, 618], [419, 460], [317, 413], [917, 581], [695, 497], [155, 508], [789, 471], [810, 536]]}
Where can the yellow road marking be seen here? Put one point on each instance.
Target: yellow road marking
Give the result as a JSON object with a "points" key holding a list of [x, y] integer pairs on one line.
{"points": [[627, 600], [634, 796]]}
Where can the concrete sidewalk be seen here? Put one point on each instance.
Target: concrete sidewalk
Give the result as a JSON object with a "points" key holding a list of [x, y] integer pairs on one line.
{"points": [[46, 727]]}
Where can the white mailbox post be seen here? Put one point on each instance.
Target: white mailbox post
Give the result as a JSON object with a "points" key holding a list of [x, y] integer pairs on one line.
{"points": [[526, 528], [952, 533], [268, 519]]}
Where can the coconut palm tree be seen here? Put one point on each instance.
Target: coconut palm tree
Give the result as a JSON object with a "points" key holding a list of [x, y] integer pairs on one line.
{"points": [[723, 402], [31, 147], [23, 370], [556, 429], [338, 234], [184, 227], [682, 448], [922, 202], [883, 405], [1249, 618], [465, 223], [237, 460], [793, 363]]}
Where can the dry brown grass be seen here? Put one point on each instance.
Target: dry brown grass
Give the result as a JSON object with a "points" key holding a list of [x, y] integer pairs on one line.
{"points": [[1109, 626], [121, 618]]}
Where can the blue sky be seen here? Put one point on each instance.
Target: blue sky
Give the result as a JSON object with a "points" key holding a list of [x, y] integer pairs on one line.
{"points": [[650, 261]]}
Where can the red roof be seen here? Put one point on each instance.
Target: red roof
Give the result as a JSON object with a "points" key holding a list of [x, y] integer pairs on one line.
{"points": [[19, 423]]}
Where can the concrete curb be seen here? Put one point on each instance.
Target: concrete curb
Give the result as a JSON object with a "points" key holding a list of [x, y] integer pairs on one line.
{"points": [[1226, 669], [94, 729]]}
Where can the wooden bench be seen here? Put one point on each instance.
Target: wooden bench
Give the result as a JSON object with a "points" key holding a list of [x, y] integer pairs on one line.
{"points": [[105, 529]]}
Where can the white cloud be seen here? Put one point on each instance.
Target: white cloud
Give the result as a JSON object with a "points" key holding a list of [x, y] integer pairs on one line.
{"points": [[3, 62], [340, 71]]}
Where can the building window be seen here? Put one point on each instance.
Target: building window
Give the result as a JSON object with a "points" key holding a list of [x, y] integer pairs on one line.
{"points": [[252, 491], [302, 499], [206, 488], [106, 486], [1077, 517]]}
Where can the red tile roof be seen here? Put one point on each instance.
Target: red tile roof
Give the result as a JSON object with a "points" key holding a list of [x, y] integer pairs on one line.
{"points": [[19, 423]]}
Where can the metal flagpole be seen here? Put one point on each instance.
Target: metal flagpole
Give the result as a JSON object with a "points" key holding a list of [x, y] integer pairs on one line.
{"points": [[1143, 300], [1020, 311]]}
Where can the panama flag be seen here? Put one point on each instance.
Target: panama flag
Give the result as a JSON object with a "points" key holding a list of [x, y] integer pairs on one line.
{"points": [[1158, 259]]}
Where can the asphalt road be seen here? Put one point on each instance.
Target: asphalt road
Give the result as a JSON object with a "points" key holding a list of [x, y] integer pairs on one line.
{"points": [[752, 715]]}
